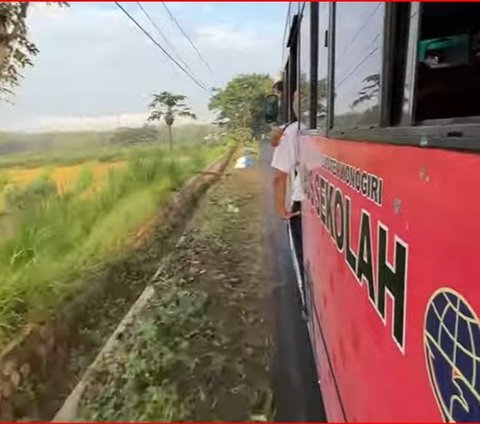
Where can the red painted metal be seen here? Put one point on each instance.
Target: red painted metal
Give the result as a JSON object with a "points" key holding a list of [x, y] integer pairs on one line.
{"points": [[430, 202]]}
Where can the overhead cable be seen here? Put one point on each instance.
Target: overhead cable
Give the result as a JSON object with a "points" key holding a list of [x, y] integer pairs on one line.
{"points": [[187, 37], [195, 80], [165, 39]]}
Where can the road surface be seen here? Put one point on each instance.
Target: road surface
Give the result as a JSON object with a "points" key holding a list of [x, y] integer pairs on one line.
{"points": [[295, 383]]}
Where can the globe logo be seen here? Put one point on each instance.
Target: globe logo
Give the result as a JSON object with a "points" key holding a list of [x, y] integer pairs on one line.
{"points": [[452, 351]]}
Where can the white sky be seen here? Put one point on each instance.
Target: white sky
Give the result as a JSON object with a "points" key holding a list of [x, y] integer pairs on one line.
{"points": [[96, 70]]}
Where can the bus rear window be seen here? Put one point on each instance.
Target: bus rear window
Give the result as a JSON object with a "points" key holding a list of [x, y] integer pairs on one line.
{"points": [[448, 72]]}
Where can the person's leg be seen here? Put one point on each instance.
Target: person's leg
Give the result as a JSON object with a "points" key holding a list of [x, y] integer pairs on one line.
{"points": [[296, 228], [296, 224]]}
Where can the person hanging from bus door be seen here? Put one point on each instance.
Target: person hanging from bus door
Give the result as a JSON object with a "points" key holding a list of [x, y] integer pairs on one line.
{"points": [[285, 162]]}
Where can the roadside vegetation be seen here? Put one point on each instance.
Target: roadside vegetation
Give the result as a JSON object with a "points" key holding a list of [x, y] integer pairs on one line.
{"points": [[52, 232]]}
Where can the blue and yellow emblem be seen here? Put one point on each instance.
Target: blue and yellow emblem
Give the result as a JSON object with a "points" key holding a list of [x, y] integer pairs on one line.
{"points": [[452, 350]]}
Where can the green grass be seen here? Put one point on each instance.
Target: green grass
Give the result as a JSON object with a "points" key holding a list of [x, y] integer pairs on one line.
{"points": [[156, 351], [59, 236]]}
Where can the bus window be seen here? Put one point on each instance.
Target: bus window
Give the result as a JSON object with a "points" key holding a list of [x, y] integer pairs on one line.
{"points": [[358, 64], [323, 18], [448, 70], [401, 26], [292, 66], [305, 56]]}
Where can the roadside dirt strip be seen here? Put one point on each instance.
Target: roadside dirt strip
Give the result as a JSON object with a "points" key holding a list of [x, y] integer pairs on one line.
{"points": [[197, 343]]}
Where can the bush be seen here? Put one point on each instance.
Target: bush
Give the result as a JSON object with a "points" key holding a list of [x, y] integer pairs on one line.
{"points": [[146, 168], [30, 195]]}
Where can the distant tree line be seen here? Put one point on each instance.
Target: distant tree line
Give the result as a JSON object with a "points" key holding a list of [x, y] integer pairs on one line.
{"points": [[128, 136]]}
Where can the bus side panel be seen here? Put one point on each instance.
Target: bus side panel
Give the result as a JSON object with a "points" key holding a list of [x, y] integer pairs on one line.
{"points": [[325, 375], [394, 275]]}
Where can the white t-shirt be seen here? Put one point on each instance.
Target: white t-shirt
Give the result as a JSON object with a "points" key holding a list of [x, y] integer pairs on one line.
{"points": [[286, 159]]}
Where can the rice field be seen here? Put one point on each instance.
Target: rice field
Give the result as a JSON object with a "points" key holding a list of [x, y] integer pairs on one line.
{"points": [[62, 176]]}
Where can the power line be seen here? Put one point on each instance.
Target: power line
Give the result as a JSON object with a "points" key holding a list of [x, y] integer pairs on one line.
{"points": [[367, 49], [356, 67], [172, 17], [160, 47], [362, 27], [165, 39]]}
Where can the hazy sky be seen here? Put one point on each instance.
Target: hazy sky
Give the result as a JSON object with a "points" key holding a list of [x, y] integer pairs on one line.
{"points": [[96, 70]]}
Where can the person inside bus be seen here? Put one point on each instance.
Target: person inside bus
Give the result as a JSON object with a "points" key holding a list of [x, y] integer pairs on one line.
{"points": [[285, 162]]}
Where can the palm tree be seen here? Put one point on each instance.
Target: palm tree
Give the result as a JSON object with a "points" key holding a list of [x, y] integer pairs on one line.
{"points": [[168, 106]]}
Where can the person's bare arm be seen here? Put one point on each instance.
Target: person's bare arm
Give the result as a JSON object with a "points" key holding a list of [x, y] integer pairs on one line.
{"points": [[275, 136], [280, 190]]}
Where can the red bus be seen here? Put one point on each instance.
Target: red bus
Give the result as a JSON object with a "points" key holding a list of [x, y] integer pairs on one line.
{"points": [[390, 166]]}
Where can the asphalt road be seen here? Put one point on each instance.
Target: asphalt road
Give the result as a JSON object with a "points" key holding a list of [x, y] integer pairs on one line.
{"points": [[297, 395]]}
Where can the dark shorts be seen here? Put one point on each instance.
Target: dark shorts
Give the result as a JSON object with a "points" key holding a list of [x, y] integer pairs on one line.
{"points": [[296, 226]]}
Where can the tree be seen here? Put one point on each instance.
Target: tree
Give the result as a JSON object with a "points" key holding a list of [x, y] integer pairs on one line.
{"points": [[128, 136], [305, 92], [16, 49], [168, 106], [240, 104], [369, 91], [322, 87], [368, 98]]}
